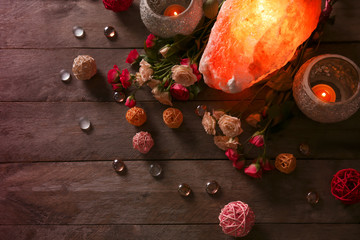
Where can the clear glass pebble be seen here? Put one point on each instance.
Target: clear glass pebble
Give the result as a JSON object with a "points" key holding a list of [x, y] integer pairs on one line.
{"points": [[119, 97], [65, 75], [78, 31], [200, 110], [184, 189], [312, 198], [118, 165], [212, 187], [84, 123], [155, 170], [109, 32], [304, 149]]}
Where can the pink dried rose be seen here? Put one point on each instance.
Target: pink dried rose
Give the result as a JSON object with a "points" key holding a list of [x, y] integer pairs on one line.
{"points": [[217, 114], [183, 75], [143, 142], [132, 57], [164, 50], [145, 70], [150, 41], [232, 155], [125, 78], [230, 126], [162, 97], [117, 5], [209, 123], [254, 170], [224, 142], [179, 92], [153, 83], [130, 101], [267, 166], [257, 140], [138, 79], [253, 119], [113, 75], [117, 86], [185, 61], [239, 164], [194, 67]]}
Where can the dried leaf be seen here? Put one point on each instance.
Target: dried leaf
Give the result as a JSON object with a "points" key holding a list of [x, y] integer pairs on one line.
{"points": [[281, 81]]}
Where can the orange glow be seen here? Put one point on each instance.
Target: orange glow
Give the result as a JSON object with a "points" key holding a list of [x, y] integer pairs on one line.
{"points": [[324, 92], [253, 38], [173, 10]]}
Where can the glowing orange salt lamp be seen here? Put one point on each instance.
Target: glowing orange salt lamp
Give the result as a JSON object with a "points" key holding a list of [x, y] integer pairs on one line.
{"points": [[252, 38]]}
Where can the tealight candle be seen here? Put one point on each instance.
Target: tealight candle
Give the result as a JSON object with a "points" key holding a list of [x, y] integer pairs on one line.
{"points": [[173, 10], [324, 92]]}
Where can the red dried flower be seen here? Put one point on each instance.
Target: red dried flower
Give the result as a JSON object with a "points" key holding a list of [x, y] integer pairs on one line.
{"points": [[257, 140], [117, 5], [254, 170], [113, 74], [179, 92], [125, 78], [130, 101], [132, 57], [150, 41]]}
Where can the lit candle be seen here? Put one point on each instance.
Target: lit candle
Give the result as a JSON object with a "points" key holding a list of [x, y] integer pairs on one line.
{"points": [[324, 92], [173, 10]]}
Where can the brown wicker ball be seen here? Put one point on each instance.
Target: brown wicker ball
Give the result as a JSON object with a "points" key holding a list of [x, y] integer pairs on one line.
{"points": [[285, 162], [172, 117], [136, 116], [84, 67]]}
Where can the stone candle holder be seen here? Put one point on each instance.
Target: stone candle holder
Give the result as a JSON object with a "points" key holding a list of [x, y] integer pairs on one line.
{"points": [[337, 71], [152, 14]]}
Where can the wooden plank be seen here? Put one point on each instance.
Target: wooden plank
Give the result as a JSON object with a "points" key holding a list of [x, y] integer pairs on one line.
{"points": [[50, 132], [179, 232], [92, 193], [33, 75], [51, 24]]}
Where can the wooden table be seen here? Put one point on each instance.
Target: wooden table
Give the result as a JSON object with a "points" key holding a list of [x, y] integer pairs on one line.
{"points": [[57, 182]]}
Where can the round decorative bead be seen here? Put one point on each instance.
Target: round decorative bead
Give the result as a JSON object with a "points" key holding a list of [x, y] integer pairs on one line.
{"points": [[84, 124], [143, 142], [200, 110], [312, 198], [285, 162], [136, 116], [172, 117], [236, 219], [212, 187], [118, 165], [65, 76], [184, 189], [78, 32], [119, 97], [155, 170], [84, 67], [304, 149], [109, 32]]}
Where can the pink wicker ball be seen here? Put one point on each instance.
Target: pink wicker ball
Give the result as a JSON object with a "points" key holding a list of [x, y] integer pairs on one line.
{"points": [[143, 142], [236, 219]]}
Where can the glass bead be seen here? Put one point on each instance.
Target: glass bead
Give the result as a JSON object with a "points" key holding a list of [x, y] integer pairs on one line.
{"points": [[312, 198], [84, 123], [109, 32], [155, 170], [200, 110], [212, 187], [304, 149], [119, 97], [184, 190], [78, 31], [118, 165], [65, 75]]}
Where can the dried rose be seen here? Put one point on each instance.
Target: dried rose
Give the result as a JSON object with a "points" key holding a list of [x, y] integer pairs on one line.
{"points": [[254, 170], [179, 92], [117, 86], [150, 41], [224, 142], [217, 114], [253, 119], [145, 70], [232, 155], [194, 67], [113, 74], [185, 61], [132, 57], [239, 164], [130, 101], [153, 83], [163, 51], [125, 78], [209, 123], [230, 126], [257, 140], [139, 80], [117, 5], [163, 97], [183, 75]]}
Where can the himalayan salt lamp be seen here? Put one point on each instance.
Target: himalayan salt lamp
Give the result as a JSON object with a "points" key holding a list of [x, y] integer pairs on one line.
{"points": [[253, 38]]}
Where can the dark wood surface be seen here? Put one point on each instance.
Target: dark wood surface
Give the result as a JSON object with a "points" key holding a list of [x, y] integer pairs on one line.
{"points": [[57, 182]]}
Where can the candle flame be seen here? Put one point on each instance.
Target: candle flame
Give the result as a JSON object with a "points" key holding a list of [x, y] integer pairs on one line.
{"points": [[175, 13], [323, 94]]}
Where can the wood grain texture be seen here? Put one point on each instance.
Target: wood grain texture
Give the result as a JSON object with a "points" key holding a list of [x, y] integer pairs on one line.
{"points": [[179, 232], [33, 75], [56, 18], [92, 193], [50, 132]]}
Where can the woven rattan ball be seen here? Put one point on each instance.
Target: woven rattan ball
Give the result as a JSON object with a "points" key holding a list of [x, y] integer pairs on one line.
{"points": [[172, 117], [285, 162], [84, 67], [136, 116]]}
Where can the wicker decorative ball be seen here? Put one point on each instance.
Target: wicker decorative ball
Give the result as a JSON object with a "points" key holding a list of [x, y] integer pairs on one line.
{"points": [[236, 219], [136, 116], [143, 142], [172, 117], [345, 186], [84, 67], [285, 162]]}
